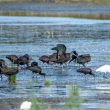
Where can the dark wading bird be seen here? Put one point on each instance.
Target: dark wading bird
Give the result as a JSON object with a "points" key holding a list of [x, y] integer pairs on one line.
{"points": [[61, 49], [23, 60], [8, 71], [44, 59], [61, 59], [2, 64], [12, 58], [80, 59], [86, 71], [36, 69], [61, 56], [51, 59]]}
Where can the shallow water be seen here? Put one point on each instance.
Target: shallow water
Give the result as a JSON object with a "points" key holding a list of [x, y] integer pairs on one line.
{"points": [[36, 36]]}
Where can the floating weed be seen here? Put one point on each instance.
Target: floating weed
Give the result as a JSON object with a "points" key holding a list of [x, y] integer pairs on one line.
{"points": [[74, 100], [47, 83]]}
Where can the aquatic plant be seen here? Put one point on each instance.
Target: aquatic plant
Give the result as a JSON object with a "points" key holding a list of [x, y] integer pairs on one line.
{"points": [[74, 100], [12, 79], [36, 105], [47, 83]]}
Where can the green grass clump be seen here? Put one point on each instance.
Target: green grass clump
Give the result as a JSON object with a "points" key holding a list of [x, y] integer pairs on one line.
{"points": [[74, 100], [12, 79], [47, 83], [36, 105]]}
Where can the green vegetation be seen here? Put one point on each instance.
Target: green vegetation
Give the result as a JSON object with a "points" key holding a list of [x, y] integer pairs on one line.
{"points": [[35, 105], [74, 100], [75, 15], [12, 79], [47, 83], [60, 1]]}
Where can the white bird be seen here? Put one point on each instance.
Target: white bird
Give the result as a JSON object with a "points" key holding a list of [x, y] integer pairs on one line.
{"points": [[26, 105], [105, 69]]}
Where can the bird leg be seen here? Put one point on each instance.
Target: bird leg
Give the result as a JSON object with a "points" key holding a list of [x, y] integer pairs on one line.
{"points": [[1, 77], [33, 74], [83, 65], [71, 60]]}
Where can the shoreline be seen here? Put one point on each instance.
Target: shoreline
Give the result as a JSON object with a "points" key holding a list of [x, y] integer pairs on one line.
{"points": [[45, 14], [86, 10]]}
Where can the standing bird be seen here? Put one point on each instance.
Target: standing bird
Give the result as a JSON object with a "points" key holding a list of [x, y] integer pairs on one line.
{"points": [[61, 49], [9, 71], [2, 64], [35, 68], [62, 59], [86, 71], [12, 58], [80, 59], [24, 60], [44, 59], [104, 69]]}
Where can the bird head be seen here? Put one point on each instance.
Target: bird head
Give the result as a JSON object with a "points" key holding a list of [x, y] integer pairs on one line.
{"points": [[34, 63], [54, 48], [26, 56]]}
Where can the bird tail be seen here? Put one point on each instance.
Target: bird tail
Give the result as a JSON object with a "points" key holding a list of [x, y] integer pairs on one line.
{"points": [[92, 74], [43, 74]]}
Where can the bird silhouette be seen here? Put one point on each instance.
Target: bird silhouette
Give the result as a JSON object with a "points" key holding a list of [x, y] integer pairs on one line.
{"points": [[24, 60], [13, 58], [86, 71], [44, 59], [8, 71], [36, 69], [80, 59], [61, 49]]}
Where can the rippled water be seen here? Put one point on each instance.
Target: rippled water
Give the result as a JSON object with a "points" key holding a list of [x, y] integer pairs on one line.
{"points": [[36, 36]]}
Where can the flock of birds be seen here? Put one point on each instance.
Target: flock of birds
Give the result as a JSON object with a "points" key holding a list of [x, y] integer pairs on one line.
{"points": [[59, 57]]}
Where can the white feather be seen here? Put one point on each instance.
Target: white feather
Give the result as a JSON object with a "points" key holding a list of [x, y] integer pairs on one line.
{"points": [[25, 105], [104, 69]]}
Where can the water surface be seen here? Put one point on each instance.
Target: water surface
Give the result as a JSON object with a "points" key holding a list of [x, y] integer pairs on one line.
{"points": [[36, 36]]}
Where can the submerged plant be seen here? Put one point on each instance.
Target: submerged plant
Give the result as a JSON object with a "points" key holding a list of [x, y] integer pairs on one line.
{"points": [[74, 100], [47, 83]]}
